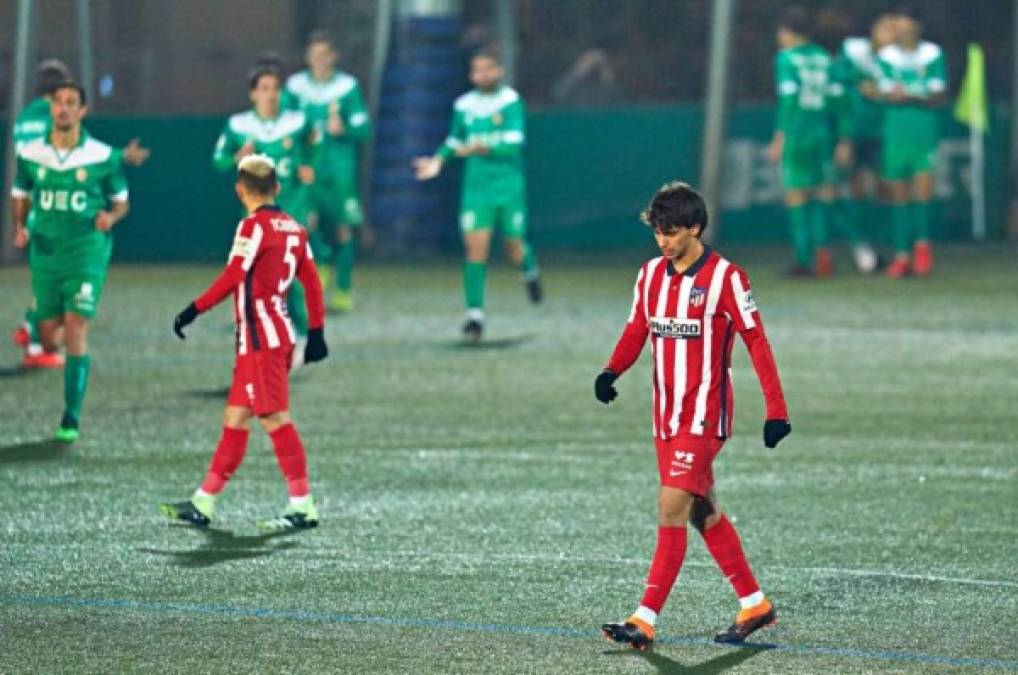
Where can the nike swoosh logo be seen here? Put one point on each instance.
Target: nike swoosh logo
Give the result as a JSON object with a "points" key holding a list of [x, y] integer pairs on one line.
{"points": [[673, 474]]}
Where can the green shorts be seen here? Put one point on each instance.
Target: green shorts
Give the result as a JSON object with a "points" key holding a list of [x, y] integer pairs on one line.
{"points": [[337, 203], [57, 294], [807, 165], [905, 162], [511, 217]]}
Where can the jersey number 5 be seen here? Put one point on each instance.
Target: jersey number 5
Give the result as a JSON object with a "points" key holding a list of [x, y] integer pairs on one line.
{"points": [[290, 259]]}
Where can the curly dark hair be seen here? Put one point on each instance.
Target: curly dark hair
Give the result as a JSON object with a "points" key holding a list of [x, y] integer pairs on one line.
{"points": [[674, 205]]}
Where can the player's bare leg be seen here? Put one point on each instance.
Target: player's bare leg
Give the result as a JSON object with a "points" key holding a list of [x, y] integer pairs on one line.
{"points": [[478, 246], [674, 508], [520, 254], [922, 249], [722, 541], [797, 206]]}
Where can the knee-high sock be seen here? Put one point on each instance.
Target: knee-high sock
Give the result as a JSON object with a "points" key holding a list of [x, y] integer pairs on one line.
{"points": [[819, 223], [474, 274], [901, 229], [297, 309], [664, 568], [292, 460], [846, 220], [723, 543], [346, 254], [76, 383], [798, 224], [225, 460], [529, 263], [921, 221], [32, 323]]}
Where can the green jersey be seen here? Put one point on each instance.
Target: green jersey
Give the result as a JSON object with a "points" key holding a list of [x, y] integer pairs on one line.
{"points": [[336, 156], [32, 122], [67, 190], [855, 65], [495, 120], [287, 139], [920, 74], [805, 94]]}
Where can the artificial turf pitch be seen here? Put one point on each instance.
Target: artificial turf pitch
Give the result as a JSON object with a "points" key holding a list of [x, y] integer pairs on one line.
{"points": [[483, 513]]}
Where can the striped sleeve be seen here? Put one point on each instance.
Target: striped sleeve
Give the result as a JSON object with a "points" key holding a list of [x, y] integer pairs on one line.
{"points": [[739, 305], [242, 256], [634, 335]]}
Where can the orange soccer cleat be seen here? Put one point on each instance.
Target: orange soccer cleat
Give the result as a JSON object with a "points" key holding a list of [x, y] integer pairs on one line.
{"points": [[749, 621], [825, 265], [898, 269], [20, 336], [635, 632], [43, 360], [923, 258]]}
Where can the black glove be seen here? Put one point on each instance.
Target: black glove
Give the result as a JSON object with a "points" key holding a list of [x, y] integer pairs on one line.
{"points": [[603, 389], [185, 318], [315, 349], [774, 431]]}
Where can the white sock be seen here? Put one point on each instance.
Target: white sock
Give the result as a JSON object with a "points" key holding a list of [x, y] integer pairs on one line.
{"points": [[476, 314], [751, 601], [645, 614], [300, 501]]}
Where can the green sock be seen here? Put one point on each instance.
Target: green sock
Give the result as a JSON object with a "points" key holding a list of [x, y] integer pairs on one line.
{"points": [[819, 219], [798, 223], [901, 229], [297, 309], [32, 321], [75, 383], [474, 274], [319, 247], [345, 256], [845, 219], [921, 220], [529, 264]]}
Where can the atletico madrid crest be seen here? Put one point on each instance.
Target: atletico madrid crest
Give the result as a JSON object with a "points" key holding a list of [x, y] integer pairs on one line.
{"points": [[697, 296]]}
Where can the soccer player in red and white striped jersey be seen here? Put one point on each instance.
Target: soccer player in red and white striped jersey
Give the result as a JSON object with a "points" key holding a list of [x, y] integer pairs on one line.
{"points": [[270, 250], [690, 303]]}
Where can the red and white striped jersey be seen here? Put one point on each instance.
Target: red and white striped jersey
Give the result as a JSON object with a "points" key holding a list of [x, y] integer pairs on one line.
{"points": [[691, 319], [269, 250]]}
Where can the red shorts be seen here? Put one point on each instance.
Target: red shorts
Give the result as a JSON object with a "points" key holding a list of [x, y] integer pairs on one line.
{"points": [[684, 462], [261, 381]]}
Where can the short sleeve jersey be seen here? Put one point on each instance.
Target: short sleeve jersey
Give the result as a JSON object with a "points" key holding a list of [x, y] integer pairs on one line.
{"points": [[920, 74], [67, 189]]}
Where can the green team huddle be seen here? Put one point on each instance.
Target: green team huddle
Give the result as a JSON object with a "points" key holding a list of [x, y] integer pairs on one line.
{"points": [[869, 109]]}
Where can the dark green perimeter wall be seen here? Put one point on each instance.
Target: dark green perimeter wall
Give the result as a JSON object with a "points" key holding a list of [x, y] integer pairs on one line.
{"points": [[589, 171]]}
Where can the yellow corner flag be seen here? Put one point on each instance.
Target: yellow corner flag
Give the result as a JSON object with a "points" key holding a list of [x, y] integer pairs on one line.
{"points": [[972, 108]]}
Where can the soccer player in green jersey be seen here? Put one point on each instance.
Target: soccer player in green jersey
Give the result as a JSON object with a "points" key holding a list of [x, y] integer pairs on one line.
{"points": [[33, 122], [288, 138], [913, 82], [74, 186], [488, 132], [856, 68], [332, 101], [804, 143]]}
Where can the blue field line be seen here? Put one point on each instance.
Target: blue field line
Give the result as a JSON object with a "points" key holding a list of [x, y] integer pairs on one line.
{"points": [[496, 628]]}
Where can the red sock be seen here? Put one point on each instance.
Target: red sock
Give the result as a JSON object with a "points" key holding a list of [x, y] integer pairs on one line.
{"points": [[292, 461], [664, 568], [723, 543], [225, 460]]}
